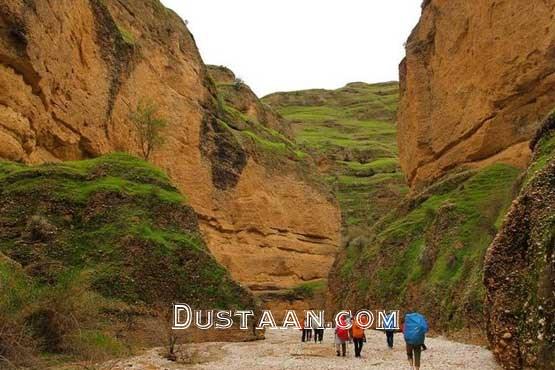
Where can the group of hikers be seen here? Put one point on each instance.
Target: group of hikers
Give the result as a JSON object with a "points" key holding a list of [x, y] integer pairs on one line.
{"points": [[413, 326]]}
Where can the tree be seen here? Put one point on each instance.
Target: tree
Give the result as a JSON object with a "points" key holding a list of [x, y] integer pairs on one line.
{"points": [[148, 125]]}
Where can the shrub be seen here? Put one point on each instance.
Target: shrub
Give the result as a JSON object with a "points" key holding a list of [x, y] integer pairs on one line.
{"points": [[148, 125], [238, 83]]}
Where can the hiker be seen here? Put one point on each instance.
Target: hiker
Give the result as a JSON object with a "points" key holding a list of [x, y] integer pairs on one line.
{"points": [[390, 327], [357, 332], [341, 337], [415, 328]]}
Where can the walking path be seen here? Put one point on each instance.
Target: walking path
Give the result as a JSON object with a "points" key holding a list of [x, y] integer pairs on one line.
{"points": [[283, 350]]}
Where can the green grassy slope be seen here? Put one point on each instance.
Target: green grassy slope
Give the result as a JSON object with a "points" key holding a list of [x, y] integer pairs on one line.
{"points": [[256, 126], [351, 134], [428, 253], [423, 251], [89, 248]]}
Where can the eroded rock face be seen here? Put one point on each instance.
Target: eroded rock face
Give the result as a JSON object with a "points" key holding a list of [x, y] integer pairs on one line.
{"points": [[519, 271], [70, 73], [477, 79]]}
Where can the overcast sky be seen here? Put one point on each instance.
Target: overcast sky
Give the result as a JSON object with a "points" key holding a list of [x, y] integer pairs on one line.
{"points": [[283, 45]]}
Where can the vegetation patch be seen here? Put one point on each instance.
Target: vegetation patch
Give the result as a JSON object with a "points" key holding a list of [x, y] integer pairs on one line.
{"points": [[353, 129], [428, 253], [126, 35], [89, 250]]}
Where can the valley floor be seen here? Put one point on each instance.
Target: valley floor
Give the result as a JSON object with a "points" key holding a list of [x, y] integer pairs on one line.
{"points": [[283, 350]]}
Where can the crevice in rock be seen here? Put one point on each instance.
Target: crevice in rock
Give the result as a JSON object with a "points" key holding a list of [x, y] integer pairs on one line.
{"points": [[221, 148], [296, 251], [117, 54]]}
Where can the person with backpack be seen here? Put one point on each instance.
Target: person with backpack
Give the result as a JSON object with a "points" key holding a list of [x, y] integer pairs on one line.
{"points": [[357, 332], [342, 336], [415, 328]]}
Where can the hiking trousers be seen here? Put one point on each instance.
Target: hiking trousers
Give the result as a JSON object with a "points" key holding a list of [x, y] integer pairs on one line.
{"points": [[307, 334], [413, 353], [318, 335], [342, 347], [389, 334], [359, 342]]}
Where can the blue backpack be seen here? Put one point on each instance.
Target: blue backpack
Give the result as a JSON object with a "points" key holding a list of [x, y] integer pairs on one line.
{"points": [[415, 329]]}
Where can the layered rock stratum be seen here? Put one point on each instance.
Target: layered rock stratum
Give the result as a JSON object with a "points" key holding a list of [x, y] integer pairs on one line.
{"points": [[72, 71], [477, 79]]}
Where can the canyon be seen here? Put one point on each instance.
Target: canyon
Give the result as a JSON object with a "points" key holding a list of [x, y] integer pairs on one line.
{"points": [[434, 193]]}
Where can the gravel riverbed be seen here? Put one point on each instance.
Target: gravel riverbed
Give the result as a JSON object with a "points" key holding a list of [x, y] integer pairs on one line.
{"points": [[282, 349]]}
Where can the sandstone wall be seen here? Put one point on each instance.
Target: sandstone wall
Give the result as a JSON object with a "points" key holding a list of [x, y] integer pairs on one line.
{"points": [[70, 73], [477, 79]]}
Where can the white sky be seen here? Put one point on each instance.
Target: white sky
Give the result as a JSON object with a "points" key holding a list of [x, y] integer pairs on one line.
{"points": [[284, 45]]}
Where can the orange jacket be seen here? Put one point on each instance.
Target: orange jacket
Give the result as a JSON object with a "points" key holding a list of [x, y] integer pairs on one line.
{"points": [[358, 332]]}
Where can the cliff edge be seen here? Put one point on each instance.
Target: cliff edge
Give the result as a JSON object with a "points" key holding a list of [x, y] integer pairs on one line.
{"points": [[475, 84]]}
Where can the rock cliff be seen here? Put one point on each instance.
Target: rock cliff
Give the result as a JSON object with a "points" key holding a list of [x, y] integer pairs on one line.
{"points": [[72, 71], [477, 79], [476, 83], [519, 269]]}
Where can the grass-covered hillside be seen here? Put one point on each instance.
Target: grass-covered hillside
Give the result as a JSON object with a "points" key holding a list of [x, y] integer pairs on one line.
{"points": [[89, 250], [351, 134], [262, 132], [427, 253], [423, 251]]}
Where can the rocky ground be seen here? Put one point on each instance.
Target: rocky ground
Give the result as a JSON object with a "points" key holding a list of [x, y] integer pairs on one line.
{"points": [[283, 350]]}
